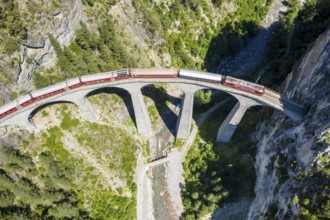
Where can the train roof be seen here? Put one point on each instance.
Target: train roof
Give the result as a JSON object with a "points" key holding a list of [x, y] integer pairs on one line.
{"points": [[241, 81], [48, 89], [96, 76], [23, 98], [8, 106], [73, 81], [153, 71], [121, 71], [202, 74]]}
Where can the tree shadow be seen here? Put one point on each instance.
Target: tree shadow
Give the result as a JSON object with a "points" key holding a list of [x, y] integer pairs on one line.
{"points": [[240, 55], [231, 39], [160, 97], [209, 129], [201, 108]]}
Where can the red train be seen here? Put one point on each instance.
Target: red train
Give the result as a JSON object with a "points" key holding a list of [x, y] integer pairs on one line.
{"points": [[85, 80]]}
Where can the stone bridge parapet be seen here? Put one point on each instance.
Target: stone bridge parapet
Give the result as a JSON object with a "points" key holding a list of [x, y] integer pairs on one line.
{"points": [[245, 100]]}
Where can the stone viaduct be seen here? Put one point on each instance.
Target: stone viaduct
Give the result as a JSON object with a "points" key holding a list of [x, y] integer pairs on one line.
{"points": [[23, 117]]}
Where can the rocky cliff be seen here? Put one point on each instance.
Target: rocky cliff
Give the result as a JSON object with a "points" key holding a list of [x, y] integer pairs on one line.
{"points": [[60, 20], [289, 153]]}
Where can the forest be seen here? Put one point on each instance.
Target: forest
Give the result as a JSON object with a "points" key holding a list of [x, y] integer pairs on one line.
{"points": [[13, 31], [94, 52], [42, 179]]}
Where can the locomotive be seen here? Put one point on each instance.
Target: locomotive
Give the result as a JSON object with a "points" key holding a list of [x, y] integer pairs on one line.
{"points": [[85, 80]]}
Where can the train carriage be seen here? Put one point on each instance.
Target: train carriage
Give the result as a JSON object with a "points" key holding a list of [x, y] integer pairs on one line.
{"points": [[154, 73], [243, 85], [8, 109], [49, 91], [25, 100], [121, 74], [74, 83], [96, 78], [198, 75]]}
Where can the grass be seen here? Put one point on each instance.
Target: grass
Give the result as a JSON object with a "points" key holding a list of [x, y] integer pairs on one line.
{"points": [[110, 102], [67, 122], [146, 151], [44, 113], [156, 98], [153, 113], [179, 143]]}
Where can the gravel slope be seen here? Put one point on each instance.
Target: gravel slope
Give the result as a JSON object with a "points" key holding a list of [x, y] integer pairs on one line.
{"points": [[250, 56]]}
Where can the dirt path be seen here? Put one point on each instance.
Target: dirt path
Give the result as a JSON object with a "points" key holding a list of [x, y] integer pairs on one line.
{"points": [[144, 192], [250, 56]]}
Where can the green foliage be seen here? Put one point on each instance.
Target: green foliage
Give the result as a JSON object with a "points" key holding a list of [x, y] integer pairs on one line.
{"points": [[153, 114], [217, 2], [68, 122], [107, 205], [218, 173], [159, 94], [283, 52], [316, 197], [203, 187], [153, 19], [218, 38], [92, 2], [95, 52], [125, 158], [40, 81], [234, 32], [44, 113], [55, 44], [89, 53], [12, 29], [295, 200], [13, 95], [60, 184], [89, 2], [179, 143], [64, 210], [27, 193], [44, 77], [11, 45], [202, 98]]}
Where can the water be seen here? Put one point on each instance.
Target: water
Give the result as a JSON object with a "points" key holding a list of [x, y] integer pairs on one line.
{"points": [[160, 196]]}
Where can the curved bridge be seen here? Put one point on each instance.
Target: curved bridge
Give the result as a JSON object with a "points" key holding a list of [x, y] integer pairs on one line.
{"points": [[22, 117]]}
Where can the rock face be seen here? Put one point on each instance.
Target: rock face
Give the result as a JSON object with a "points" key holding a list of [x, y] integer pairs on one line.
{"points": [[38, 52], [251, 55], [283, 143], [132, 24]]}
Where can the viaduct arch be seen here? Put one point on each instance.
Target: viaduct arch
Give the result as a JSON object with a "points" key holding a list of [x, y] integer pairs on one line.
{"points": [[189, 87]]}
